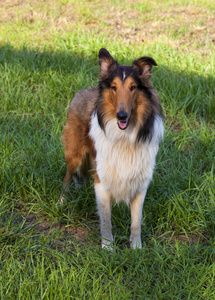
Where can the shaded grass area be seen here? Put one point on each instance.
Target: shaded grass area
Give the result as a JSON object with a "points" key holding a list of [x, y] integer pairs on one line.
{"points": [[53, 252]]}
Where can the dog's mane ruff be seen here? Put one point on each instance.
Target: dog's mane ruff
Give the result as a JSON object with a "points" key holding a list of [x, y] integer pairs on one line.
{"points": [[100, 112], [146, 129], [124, 159]]}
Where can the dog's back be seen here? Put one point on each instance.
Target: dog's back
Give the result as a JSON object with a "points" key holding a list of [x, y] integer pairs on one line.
{"points": [[82, 105]]}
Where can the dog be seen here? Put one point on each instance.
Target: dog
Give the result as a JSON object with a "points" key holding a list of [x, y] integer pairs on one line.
{"points": [[114, 130]]}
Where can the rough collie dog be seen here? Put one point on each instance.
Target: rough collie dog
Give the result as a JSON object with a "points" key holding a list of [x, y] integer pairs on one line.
{"points": [[114, 131]]}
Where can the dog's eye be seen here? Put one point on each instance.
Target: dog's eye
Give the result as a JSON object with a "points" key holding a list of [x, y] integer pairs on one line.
{"points": [[113, 88], [132, 88]]}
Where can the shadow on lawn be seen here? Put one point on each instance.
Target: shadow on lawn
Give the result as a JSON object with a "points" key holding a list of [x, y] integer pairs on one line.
{"points": [[188, 93], [41, 61]]}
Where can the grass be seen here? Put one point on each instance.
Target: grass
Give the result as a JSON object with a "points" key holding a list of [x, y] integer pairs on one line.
{"points": [[48, 51]]}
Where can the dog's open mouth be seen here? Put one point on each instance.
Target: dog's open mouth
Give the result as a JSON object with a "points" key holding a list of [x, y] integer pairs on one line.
{"points": [[123, 124]]}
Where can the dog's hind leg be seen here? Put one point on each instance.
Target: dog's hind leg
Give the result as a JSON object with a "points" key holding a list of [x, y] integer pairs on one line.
{"points": [[72, 166], [75, 152], [81, 175], [103, 199], [136, 216]]}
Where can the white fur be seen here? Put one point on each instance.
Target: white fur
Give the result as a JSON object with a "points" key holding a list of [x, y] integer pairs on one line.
{"points": [[103, 199], [136, 216], [125, 169], [123, 75]]}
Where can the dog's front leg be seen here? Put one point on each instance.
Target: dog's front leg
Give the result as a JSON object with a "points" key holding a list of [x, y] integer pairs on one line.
{"points": [[136, 216], [103, 199]]}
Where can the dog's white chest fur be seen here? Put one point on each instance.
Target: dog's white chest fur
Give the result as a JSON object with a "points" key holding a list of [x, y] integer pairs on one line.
{"points": [[124, 167]]}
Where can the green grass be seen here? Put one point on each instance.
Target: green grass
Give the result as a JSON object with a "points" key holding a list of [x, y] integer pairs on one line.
{"points": [[48, 51]]}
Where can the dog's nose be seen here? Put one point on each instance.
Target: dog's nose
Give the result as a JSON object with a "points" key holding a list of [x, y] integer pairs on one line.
{"points": [[122, 115]]}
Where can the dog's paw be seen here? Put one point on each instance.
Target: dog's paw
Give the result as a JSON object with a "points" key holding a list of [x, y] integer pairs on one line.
{"points": [[107, 244], [135, 243], [62, 199]]}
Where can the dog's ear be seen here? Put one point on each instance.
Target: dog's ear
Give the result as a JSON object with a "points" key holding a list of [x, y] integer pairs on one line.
{"points": [[106, 62], [144, 65]]}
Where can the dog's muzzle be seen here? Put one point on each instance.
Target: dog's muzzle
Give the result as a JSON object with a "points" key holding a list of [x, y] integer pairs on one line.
{"points": [[122, 119]]}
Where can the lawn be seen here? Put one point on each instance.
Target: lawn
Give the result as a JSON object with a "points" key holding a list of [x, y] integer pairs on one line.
{"points": [[48, 51]]}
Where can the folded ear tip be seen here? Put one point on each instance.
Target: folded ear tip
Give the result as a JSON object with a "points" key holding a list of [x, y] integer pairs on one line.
{"points": [[155, 64], [149, 60], [103, 52], [144, 63], [106, 62]]}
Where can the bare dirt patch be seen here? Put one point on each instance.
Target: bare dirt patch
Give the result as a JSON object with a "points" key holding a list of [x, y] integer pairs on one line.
{"points": [[190, 239], [61, 233]]}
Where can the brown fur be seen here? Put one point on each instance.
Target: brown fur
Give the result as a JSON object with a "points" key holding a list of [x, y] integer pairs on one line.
{"points": [[122, 94], [79, 149]]}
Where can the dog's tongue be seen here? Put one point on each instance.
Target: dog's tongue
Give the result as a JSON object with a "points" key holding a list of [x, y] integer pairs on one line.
{"points": [[122, 124]]}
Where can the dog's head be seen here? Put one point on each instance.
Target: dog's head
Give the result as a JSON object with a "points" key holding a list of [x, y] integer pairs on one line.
{"points": [[122, 87]]}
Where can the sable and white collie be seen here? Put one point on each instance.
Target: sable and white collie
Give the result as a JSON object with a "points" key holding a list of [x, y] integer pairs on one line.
{"points": [[114, 131]]}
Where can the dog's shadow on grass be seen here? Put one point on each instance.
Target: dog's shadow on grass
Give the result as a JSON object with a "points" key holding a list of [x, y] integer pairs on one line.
{"points": [[38, 86]]}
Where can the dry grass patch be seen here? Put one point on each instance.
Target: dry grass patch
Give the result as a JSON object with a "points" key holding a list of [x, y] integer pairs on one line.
{"points": [[188, 26]]}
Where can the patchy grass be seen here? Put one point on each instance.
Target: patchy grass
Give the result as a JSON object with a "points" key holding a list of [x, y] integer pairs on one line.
{"points": [[48, 51], [181, 24]]}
